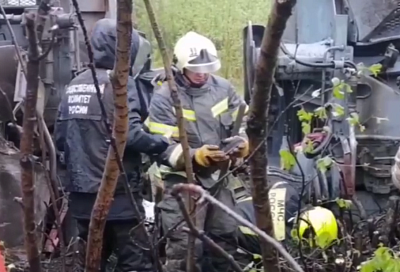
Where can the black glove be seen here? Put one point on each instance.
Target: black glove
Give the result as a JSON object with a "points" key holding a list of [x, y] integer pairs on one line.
{"points": [[160, 144]]}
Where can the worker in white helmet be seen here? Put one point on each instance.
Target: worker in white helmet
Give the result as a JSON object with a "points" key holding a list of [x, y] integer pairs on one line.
{"points": [[210, 105]]}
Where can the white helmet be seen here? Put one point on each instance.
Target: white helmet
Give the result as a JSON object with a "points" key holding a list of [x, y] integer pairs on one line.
{"points": [[197, 54]]}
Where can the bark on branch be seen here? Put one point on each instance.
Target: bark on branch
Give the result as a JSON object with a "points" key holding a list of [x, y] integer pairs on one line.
{"points": [[181, 122], [119, 81], [257, 125], [205, 196], [26, 161], [204, 238]]}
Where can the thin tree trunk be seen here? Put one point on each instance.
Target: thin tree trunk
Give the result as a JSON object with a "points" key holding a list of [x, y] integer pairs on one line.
{"points": [[134, 15], [119, 80], [257, 124], [26, 161], [181, 122]]}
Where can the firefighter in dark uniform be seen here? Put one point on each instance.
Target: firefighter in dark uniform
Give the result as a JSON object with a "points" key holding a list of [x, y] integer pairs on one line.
{"points": [[284, 201], [81, 135], [210, 106]]}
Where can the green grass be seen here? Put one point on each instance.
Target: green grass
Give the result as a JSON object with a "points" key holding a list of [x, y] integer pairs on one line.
{"points": [[220, 20]]}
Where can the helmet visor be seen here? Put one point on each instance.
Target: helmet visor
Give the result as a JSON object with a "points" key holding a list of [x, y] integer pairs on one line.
{"points": [[204, 68], [204, 63]]}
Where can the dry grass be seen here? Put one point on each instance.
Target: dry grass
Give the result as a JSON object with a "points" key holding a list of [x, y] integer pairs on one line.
{"points": [[220, 20]]}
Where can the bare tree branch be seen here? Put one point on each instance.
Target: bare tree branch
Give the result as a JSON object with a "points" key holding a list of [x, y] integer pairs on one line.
{"points": [[204, 238], [257, 125], [204, 195], [119, 81], [190, 264], [26, 161], [118, 160]]}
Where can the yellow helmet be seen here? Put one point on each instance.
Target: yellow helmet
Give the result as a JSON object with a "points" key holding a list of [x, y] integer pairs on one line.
{"points": [[322, 223], [196, 53]]}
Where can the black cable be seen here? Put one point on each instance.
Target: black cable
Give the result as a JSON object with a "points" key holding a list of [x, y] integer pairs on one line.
{"points": [[303, 186], [112, 139], [332, 65]]}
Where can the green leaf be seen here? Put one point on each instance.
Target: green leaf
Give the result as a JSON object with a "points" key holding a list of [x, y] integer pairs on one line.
{"points": [[347, 88], [309, 146], [384, 260], [393, 266], [306, 128], [354, 119], [375, 69], [324, 163], [343, 203], [337, 92], [287, 159], [338, 110], [368, 267], [321, 113], [294, 233], [339, 87], [304, 116]]}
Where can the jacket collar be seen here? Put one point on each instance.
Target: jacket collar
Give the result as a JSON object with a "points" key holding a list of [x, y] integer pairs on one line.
{"points": [[190, 90]]}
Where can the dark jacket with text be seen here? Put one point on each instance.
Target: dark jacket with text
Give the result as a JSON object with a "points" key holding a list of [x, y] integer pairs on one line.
{"points": [[80, 129]]}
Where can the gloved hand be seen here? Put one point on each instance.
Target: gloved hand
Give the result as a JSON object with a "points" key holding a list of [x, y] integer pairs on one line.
{"points": [[207, 154], [240, 147], [161, 144]]}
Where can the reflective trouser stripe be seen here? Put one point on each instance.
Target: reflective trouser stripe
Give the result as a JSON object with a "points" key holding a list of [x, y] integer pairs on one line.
{"points": [[175, 155]]}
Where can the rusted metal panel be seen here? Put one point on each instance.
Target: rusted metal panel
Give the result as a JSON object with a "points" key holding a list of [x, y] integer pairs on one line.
{"points": [[11, 216]]}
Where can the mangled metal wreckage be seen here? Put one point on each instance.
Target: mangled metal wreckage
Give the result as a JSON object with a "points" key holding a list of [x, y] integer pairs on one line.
{"points": [[311, 55], [322, 42], [57, 70], [67, 57]]}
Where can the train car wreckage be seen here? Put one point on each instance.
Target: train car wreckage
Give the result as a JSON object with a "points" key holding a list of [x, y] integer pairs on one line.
{"points": [[13, 46], [67, 56], [311, 55]]}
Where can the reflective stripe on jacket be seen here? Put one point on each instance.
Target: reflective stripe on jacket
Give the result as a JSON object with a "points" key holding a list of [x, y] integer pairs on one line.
{"points": [[209, 112], [283, 199]]}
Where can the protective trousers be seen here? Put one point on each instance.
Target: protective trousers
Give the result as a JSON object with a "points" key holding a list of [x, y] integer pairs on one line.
{"points": [[117, 239], [217, 225]]}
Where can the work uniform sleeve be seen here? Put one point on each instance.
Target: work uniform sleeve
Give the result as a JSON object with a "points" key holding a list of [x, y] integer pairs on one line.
{"points": [[162, 120], [139, 140], [60, 129], [234, 102]]}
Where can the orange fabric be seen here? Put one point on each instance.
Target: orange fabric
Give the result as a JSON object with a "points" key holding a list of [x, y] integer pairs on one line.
{"points": [[2, 263]]}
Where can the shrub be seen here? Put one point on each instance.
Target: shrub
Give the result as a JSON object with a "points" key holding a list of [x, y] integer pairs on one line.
{"points": [[220, 20]]}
